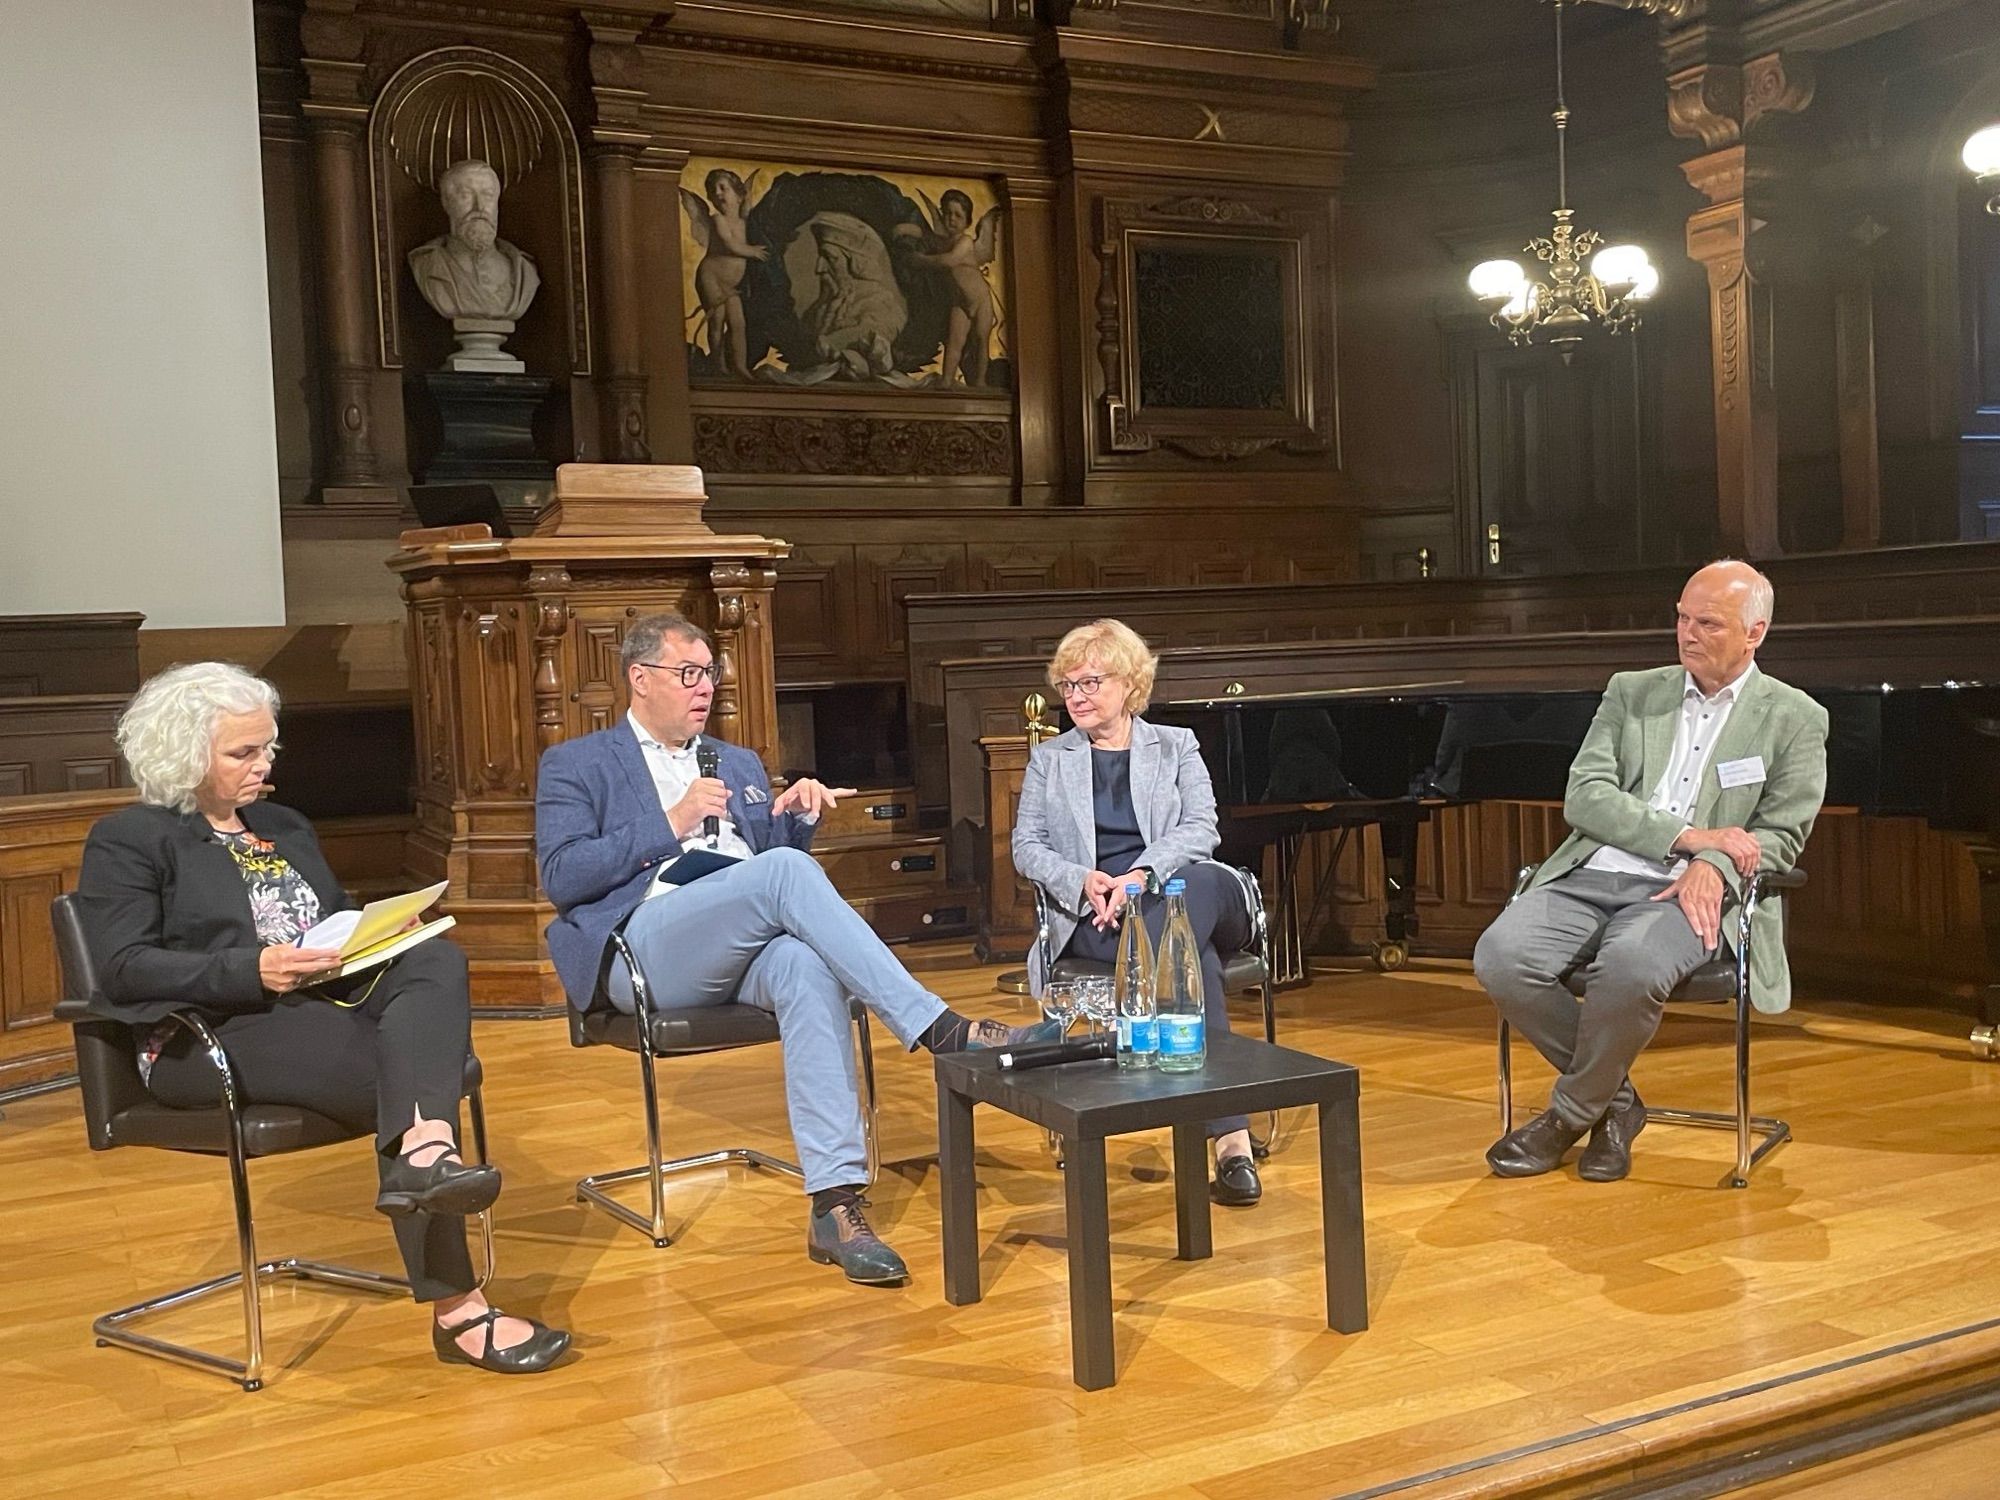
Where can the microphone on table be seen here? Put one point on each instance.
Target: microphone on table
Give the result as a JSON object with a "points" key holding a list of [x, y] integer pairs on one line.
{"points": [[709, 763], [1084, 1049]]}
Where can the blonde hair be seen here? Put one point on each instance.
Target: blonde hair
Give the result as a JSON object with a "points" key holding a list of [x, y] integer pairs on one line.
{"points": [[167, 732], [1118, 649]]}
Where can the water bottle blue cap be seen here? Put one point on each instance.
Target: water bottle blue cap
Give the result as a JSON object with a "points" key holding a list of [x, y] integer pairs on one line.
{"points": [[1176, 886], [1135, 888]]}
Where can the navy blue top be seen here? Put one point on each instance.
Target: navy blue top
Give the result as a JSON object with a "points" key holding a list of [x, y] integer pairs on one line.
{"points": [[1118, 842]]}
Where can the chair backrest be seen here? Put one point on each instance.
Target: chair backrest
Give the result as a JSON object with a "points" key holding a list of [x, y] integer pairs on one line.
{"points": [[107, 1065]]}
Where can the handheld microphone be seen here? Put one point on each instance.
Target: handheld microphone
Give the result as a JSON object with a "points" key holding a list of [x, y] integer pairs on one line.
{"points": [[709, 763], [1084, 1049]]}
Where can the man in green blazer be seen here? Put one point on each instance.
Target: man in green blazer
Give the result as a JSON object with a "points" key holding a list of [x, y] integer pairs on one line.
{"points": [[1691, 778]]}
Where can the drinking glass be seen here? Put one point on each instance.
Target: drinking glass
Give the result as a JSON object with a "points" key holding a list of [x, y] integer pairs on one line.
{"points": [[1059, 1002], [1097, 1003]]}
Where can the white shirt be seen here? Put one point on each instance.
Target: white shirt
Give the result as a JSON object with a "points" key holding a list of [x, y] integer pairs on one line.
{"points": [[1680, 784], [674, 771]]}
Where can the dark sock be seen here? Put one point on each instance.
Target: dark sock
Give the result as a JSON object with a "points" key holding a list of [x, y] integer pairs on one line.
{"points": [[947, 1033], [826, 1200]]}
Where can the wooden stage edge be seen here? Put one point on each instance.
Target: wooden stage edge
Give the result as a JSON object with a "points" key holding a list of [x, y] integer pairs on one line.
{"points": [[1663, 1336], [1715, 1444]]}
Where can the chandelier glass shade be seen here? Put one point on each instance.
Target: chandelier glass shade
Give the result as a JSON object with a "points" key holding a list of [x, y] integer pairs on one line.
{"points": [[1982, 159], [1580, 285]]}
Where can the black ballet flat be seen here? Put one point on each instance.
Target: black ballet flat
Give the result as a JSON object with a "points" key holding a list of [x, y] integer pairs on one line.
{"points": [[531, 1356], [446, 1186], [1236, 1182]]}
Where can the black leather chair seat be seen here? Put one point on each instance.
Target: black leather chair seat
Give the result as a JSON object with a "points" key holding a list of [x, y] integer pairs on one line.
{"points": [[268, 1129], [709, 1028], [1714, 980]]}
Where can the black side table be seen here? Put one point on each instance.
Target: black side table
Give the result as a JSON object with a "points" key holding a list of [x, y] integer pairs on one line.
{"points": [[1085, 1102]]}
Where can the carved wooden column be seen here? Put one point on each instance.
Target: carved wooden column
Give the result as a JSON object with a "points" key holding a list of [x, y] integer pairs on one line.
{"points": [[336, 116], [617, 138], [1717, 104], [743, 648]]}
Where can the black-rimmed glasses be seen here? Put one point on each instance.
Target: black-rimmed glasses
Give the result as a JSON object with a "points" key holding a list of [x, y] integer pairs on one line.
{"points": [[1079, 687], [688, 672]]}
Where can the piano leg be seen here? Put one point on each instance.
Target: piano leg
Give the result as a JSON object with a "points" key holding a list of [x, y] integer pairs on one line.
{"points": [[1399, 884], [1985, 1039]]}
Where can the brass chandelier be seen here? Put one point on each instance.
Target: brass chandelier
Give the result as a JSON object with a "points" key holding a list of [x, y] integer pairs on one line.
{"points": [[1580, 289]]}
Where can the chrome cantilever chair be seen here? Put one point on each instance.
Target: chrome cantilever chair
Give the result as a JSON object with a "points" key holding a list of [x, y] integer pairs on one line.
{"points": [[1248, 970], [1719, 981], [654, 1034], [118, 1111]]}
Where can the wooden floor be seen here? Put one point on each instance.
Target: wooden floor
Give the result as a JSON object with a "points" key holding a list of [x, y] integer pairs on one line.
{"points": [[1505, 1315]]}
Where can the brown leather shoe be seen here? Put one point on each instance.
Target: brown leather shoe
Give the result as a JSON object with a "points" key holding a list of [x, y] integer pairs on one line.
{"points": [[842, 1237], [1537, 1147], [1608, 1157]]}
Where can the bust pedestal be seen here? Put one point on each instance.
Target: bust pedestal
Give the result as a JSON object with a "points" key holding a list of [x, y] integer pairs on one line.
{"points": [[485, 426]]}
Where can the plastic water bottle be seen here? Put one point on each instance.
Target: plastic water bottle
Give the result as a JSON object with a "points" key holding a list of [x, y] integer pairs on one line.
{"points": [[1177, 989], [1132, 985]]}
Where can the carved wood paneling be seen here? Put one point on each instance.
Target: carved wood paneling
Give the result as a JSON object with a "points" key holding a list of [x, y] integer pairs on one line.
{"points": [[48, 655], [60, 744], [888, 575], [814, 614], [41, 848]]}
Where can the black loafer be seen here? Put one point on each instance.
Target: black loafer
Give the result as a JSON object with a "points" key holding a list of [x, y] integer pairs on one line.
{"points": [[1236, 1182], [531, 1356], [1537, 1147], [1608, 1157], [446, 1186]]}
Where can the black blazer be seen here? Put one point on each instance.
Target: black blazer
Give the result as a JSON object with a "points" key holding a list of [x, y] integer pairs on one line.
{"points": [[167, 915]]}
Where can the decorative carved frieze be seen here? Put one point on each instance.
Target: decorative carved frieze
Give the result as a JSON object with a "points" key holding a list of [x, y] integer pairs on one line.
{"points": [[762, 443]]}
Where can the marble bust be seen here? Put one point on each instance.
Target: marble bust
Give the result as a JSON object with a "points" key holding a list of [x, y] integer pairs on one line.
{"points": [[471, 275]]}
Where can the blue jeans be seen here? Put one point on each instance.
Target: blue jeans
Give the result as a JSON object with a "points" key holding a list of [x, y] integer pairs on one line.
{"points": [[774, 933]]}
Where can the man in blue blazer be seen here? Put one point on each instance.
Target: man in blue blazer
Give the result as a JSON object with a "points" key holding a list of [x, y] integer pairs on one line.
{"points": [[616, 812]]}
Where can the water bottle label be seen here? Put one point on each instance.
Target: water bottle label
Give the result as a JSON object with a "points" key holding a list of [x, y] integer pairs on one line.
{"points": [[1180, 1035], [1138, 1034]]}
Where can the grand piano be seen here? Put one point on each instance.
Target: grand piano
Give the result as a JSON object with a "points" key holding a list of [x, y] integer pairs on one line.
{"points": [[1345, 736]]}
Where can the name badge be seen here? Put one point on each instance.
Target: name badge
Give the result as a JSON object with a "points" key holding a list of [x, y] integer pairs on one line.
{"points": [[1745, 772]]}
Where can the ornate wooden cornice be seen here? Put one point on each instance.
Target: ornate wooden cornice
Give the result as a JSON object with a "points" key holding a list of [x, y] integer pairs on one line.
{"points": [[1719, 103], [1756, 27]]}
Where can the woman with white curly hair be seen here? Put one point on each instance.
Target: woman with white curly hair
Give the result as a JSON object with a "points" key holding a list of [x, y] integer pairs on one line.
{"points": [[197, 896]]}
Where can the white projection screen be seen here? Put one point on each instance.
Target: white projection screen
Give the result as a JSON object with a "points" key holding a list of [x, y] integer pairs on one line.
{"points": [[138, 460]]}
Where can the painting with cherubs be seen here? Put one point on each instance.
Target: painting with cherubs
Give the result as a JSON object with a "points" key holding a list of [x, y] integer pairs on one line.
{"points": [[802, 276]]}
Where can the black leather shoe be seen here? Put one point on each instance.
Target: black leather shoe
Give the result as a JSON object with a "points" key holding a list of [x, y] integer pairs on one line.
{"points": [[446, 1186], [841, 1237], [531, 1356], [1608, 1157], [1537, 1147], [1236, 1182]]}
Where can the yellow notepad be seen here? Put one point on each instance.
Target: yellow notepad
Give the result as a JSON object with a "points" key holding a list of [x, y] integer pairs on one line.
{"points": [[376, 933]]}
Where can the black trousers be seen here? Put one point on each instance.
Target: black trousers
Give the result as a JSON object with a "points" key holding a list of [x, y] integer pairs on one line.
{"points": [[373, 1067], [1221, 925]]}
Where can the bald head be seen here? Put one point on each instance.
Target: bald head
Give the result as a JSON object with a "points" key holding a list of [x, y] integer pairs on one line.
{"points": [[1721, 620]]}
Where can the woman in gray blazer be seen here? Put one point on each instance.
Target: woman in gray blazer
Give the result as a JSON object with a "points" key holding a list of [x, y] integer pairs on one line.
{"points": [[1116, 796]]}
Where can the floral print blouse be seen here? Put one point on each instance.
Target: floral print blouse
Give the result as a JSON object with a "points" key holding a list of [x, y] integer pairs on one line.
{"points": [[283, 904]]}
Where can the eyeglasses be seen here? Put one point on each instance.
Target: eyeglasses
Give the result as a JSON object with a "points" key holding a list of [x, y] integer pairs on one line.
{"points": [[1080, 687], [688, 672]]}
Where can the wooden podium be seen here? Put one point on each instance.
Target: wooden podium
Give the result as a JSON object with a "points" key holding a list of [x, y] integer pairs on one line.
{"points": [[513, 647]]}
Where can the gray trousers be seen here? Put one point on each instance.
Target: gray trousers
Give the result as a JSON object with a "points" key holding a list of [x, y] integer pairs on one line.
{"points": [[774, 933], [1630, 950]]}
